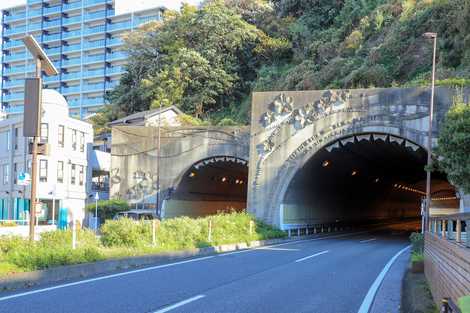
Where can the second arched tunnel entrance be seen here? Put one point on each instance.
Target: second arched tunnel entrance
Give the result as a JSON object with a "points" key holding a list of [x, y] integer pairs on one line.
{"points": [[368, 177]]}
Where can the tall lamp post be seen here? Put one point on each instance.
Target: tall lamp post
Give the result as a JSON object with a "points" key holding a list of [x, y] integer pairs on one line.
{"points": [[97, 197], [431, 113], [32, 114]]}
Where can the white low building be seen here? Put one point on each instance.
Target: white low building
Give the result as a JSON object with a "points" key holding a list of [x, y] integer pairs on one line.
{"points": [[62, 173]]}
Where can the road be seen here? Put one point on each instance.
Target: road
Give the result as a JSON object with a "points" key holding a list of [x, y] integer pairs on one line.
{"points": [[333, 273]]}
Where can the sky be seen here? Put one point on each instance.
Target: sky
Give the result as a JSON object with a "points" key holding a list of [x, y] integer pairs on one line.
{"points": [[122, 5]]}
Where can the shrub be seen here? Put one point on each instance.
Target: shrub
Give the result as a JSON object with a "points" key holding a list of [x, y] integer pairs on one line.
{"points": [[107, 209], [126, 232], [417, 243]]}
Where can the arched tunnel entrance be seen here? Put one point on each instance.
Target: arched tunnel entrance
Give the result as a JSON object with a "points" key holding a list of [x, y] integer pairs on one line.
{"points": [[363, 178], [216, 184]]}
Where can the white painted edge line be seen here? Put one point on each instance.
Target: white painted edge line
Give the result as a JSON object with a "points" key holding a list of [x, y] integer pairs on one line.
{"points": [[291, 242], [369, 298], [312, 256], [181, 303], [368, 240], [102, 278]]}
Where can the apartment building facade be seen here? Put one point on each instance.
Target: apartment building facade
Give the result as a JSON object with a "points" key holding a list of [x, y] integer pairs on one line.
{"points": [[64, 176], [83, 38]]}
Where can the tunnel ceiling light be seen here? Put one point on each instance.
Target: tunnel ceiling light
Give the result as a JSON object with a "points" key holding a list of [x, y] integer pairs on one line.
{"points": [[224, 179], [354, 173], [237, 181], [241, 182], [192, 174], [325, 163], [377, 180]]}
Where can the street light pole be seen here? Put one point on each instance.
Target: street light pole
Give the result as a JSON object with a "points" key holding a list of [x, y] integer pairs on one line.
{"points": [[97, 197], [158, 159], [431, 114]]}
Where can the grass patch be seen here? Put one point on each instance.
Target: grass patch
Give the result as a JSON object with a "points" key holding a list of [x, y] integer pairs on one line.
{"points": [[125, 238], [464, 304], [417, 257]]}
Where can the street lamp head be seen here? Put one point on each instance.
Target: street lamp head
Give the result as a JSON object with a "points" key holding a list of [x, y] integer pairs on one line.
{"points": [[430, 35], [37, 52]]}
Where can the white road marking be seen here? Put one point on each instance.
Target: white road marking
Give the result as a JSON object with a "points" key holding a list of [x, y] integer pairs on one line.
{"points": [[102, 278], [367, 240], [181, 303], [312, 256], [369, 298], [292, 242], [278, 249]]}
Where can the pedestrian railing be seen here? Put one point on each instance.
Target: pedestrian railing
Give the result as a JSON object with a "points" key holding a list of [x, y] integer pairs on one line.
{"points": [[453, 227]]}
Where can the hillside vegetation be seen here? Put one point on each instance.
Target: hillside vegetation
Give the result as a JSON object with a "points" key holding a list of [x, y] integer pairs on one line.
{"points": [[208, 60]]}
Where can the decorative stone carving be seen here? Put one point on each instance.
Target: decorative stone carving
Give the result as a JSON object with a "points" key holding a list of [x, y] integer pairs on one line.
{"points": [[280, 107]]}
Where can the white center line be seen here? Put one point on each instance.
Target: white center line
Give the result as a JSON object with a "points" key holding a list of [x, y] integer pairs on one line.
{"points": [[367, 240], [278, 249], [312, 256], [102, 278], [181, 303]]}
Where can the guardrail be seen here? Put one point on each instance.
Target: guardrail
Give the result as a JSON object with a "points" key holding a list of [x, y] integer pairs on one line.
{"points": [[306, 230], [452, 227], [447, 257]]}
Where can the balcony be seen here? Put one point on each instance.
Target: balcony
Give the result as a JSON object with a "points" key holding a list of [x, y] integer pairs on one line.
{"points": [[73, 103], [71, 6], [13, 96], [15, 30], [12, 43], [34, 1], [94, 58], [18, 69], [93, 87], [93, 101], [69, 90], [71, 34], [52, 23], [34, 13], [52, 10], [71, 62], [112, 84], [14, 57], [71, 48], [116, 56], [115, 70], [120, 26], [95, 30], [51, 79], [94, 44], [72, 20], [114, 42], [35, 27], [15, 16], [71, 76], [145, 19], [96, 2], [52, 37], [94, 73], [50, 51], [95, 15], [13, 83], [15, 109]]}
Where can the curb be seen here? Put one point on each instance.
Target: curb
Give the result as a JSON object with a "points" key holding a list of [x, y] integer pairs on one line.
{"points": [[78, 271]]}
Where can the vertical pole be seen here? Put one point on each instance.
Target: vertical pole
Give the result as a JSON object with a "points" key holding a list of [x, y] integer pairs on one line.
{"points": [[34, 174], [431, 113], [158, 159], [251, 228], [96, 213], [458, 235], [209, 235], [467, 230], [74, 233], [53, 207], [154, 230], [443, 223]]}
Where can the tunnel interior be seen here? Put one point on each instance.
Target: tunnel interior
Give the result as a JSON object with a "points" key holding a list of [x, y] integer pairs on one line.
{"points": [[217, 184], [364, 178]]}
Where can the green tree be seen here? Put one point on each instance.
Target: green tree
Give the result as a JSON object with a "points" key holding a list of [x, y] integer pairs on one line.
{"points": [[454, 146]]}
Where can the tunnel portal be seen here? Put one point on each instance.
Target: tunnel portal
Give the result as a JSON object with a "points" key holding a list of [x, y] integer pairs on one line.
{"points": [[361, 178]]}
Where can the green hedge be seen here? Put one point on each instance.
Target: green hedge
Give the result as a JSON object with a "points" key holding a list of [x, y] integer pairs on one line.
{"points": [[107, 209]]}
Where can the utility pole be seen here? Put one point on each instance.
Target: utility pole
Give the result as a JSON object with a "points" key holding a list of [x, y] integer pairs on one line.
{"points": [[32, 115], [431, 113], [158, 158]]}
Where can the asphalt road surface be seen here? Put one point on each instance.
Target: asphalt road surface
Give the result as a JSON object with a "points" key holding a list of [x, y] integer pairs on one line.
{"points": [[335, 273]]}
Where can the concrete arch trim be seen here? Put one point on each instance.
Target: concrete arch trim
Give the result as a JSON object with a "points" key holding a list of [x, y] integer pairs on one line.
{"points": [[288, 172]]}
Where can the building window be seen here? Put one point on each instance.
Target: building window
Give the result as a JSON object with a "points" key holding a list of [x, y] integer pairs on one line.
{"points": [[8, 139], [44, 132], [60, 171], [80, 175], [6, 174], [74, 140], [82, 141], [72, 174], [15, 173], [15, 140], [43, 171], [61, 136]]}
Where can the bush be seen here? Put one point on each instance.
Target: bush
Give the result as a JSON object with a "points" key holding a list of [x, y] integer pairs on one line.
{"points": [[417, 243], [126, 232], [107, 209]]}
